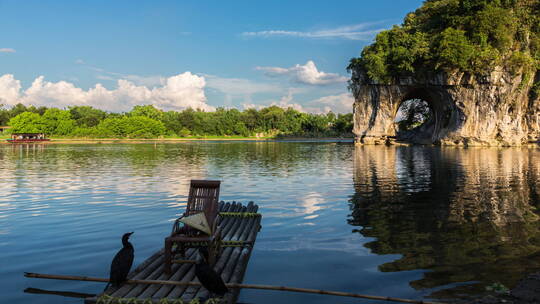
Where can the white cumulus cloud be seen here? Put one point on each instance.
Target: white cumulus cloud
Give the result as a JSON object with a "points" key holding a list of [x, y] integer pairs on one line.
{"points": [[287, 102], [176, 93], [239, 86], [307, 74], [7, 50], [284, 102], [341, 103], [362, 31]]}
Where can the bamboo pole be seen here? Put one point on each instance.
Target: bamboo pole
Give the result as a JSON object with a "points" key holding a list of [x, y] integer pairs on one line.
{"points": [[229, 285], [70, 294]]}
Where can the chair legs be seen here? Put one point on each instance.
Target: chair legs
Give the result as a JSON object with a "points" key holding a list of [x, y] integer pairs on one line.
{"points": [[214, 248], [167, 256], [182, 250]]}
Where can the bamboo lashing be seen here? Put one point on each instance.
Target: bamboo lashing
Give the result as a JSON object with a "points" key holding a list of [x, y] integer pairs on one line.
{"points": [[240, 214], [230, 285]]}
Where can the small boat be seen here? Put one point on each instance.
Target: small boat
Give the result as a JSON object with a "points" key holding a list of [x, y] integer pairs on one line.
{"points": [[18, 138]]}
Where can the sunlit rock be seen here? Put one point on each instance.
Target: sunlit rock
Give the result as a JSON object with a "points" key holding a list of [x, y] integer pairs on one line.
{"points": [[496, 109]]}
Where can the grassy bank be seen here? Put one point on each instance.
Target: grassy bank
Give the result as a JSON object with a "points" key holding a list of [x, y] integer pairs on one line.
{"points": [[82, 140]]}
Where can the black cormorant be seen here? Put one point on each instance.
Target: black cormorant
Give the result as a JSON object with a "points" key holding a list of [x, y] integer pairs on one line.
{"points": [[207, 276], [121, 264]]}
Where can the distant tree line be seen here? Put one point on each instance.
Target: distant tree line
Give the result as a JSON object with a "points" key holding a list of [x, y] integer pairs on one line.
{"points": [[149, 122]]}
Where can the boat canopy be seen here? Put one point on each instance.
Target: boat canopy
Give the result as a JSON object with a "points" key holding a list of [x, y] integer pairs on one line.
{"points": [[16, 136]]}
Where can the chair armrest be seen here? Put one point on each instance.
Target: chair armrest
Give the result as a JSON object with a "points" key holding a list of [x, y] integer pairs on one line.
{"points": [[176, 225]]}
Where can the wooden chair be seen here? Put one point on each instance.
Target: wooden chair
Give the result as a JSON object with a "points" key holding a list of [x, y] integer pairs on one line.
{"points": [[203, 197]]}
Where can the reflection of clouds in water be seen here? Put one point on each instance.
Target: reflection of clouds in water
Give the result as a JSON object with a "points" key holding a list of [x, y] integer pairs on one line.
{"points": [[8, 185], [347, 243], [61, 180], [305, 207], [5, 211], [171, 177], [311, 203], [177, 180]]}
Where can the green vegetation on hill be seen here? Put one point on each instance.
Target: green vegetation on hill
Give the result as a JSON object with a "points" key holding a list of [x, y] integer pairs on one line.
{"points": [[150, 122], [471, 36]]}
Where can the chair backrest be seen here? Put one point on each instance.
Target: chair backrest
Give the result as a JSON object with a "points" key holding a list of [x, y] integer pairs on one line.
{"points": [[204, 197]]}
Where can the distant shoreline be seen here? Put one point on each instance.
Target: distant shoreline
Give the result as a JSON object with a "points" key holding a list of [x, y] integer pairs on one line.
{"points": [[177, 140]]}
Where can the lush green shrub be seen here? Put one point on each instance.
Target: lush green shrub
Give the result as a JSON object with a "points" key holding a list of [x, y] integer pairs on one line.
{"points": [[535, 90], [111, 127], [454, 50], [147, 111], [143, 127], [27, 122], [466, 35], [57, 122], [519, 62], [184, 132], [131, 126], [86, 115], [84, 132]]}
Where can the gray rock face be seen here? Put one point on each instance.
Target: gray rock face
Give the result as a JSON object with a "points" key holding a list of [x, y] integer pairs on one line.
{"points": [[492, 110]]}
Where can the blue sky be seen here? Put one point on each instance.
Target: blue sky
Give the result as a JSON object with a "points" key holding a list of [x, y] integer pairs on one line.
{"points": [[174, 54]]}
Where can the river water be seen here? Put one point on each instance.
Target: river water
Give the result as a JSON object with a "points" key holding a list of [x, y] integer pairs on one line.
{"points": [[413, 222]]}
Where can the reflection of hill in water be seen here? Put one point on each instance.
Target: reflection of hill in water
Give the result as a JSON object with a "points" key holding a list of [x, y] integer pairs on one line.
{"points": [[465, 215]]}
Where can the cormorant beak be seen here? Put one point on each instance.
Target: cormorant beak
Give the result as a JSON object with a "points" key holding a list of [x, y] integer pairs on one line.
{"points": [[126, 235]]}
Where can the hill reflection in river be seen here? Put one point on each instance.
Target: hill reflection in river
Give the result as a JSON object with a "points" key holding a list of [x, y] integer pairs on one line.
{"points": [[465, 215]]}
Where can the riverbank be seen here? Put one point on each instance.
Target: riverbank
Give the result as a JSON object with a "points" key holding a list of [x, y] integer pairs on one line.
{"points": [[527, 291], [179, 139]]}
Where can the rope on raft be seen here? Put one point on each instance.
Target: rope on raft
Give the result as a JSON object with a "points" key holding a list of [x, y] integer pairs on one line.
{"points": [[106, 299], [240, 214], [228, 243]]}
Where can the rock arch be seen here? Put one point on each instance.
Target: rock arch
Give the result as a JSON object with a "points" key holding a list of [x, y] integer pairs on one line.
{"points": [[493, 110], [443, 120]]}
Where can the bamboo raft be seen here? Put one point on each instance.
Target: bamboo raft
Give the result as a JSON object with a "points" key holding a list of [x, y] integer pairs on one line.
{"points": [[239, 234], [149, 284]]}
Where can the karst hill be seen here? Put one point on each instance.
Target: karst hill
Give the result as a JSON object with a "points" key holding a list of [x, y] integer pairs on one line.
{"points": [[474, 63]]}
